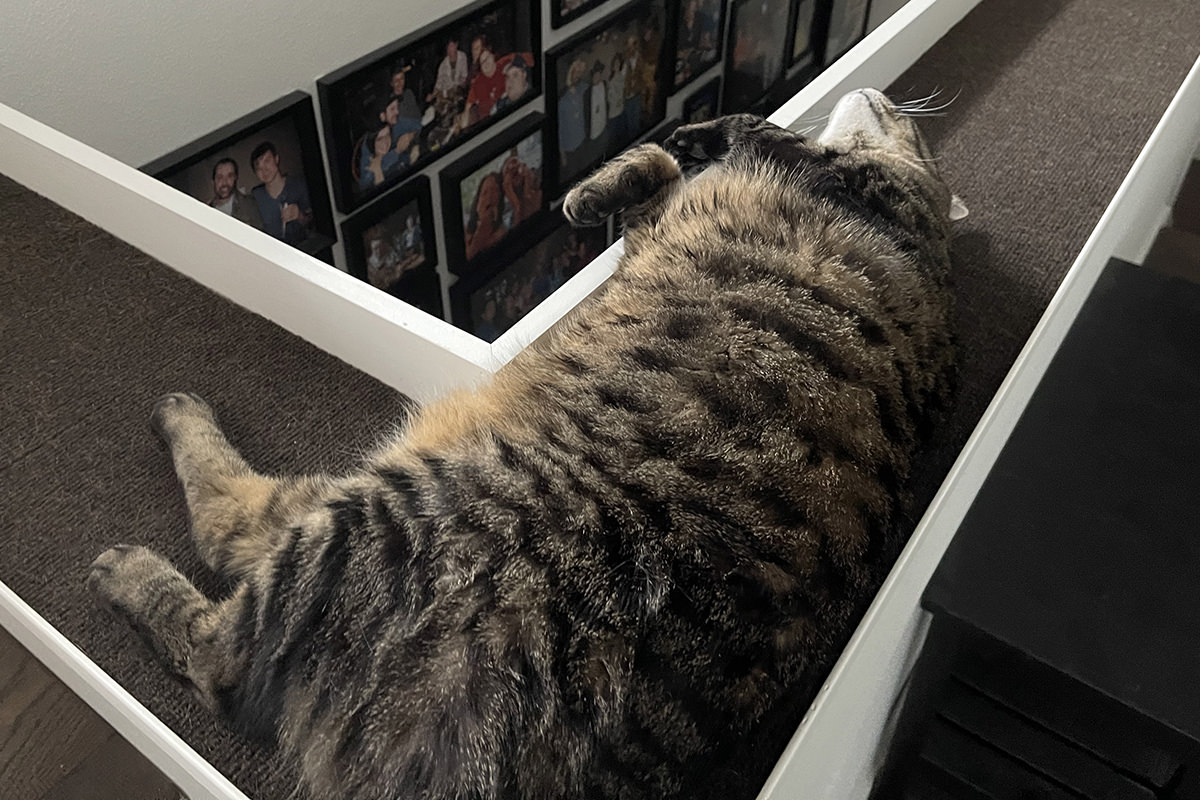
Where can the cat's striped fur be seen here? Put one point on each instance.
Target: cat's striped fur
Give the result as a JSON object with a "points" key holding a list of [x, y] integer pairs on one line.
{"points": [[621, 568]]}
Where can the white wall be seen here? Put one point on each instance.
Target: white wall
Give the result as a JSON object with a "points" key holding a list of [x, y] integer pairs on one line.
{"points": [[136, 78]]}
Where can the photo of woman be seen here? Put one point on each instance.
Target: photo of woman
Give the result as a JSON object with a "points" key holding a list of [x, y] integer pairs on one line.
{"points": [[493, 191]]}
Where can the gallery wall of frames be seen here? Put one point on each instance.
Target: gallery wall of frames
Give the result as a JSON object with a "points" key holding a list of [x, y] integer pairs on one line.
{"points": [[447, 153]]}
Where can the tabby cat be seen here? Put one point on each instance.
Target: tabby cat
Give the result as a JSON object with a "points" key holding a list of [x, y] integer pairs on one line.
{"points": [[623, 567]]}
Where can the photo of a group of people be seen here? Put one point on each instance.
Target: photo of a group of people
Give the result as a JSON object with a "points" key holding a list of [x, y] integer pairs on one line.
{"points": [[391, 245], [410, 104], [491, 193], [496, 304], [607, 88], [698, 45], [758, 32], [256, 170], [394, 247]]}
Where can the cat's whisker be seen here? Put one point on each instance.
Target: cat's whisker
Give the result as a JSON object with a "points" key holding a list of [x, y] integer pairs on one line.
{"points": [[926, 110]]}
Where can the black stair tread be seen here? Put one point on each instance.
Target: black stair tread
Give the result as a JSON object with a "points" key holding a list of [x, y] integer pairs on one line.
{"points": [[982, 769], [1111, 732], [1176, 252], [929, 782], [1186, 212], [1091, 509], [1038, 749]]}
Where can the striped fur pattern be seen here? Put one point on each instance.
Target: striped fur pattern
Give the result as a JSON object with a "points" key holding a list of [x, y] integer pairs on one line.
{"points": [[622, 568]]}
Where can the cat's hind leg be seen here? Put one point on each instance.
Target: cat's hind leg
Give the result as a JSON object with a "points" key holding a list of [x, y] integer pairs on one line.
{"points": [[189, 633], [636, 183], [237, 515]]}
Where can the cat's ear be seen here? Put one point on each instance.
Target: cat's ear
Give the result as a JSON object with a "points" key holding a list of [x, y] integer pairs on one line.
{"points": [[958, 209]]}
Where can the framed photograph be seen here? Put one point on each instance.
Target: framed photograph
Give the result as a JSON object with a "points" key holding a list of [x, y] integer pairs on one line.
{"points": [[803, 37], [264, 169], [606, 87], [702, 104], [754, 54], [490, 305], [390, 244], [847, 25], [492, 192], [789, 87], [563, 11], [394, 111], [698, 29]]}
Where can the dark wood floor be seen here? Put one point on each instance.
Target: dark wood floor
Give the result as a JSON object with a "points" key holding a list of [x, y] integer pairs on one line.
{"points": [[54, 747]]}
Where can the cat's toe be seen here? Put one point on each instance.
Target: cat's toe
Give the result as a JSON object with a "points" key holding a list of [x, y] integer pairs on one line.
{"points": [[170, 409]]}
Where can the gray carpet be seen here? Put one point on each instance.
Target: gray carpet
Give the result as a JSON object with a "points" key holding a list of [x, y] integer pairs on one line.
{"points": [[1056, 99]]}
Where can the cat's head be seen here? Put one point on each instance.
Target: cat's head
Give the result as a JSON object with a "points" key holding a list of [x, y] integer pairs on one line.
{"points": [[866, 125]]}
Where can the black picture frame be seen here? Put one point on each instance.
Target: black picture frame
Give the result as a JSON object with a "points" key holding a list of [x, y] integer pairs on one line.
{"points": [[660, 134], [518, 283], [647, 23], [559, 15], [428, 121], [754, 52], [527, 135], [380, 246], [702, 105], [699, 38], [805, 44], [845, 26], [289, 126], [790, 86]]}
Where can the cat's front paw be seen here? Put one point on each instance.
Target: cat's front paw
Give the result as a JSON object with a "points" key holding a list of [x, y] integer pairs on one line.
{"points": [[585, 207], [173, 412]]}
